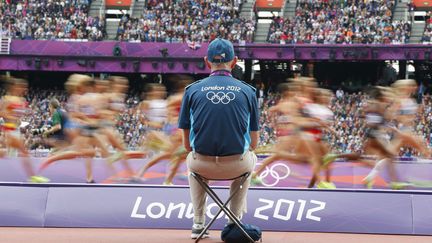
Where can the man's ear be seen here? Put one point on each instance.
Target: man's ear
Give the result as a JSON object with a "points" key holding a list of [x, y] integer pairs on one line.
{"points": [[208, 64], [234, 62]]}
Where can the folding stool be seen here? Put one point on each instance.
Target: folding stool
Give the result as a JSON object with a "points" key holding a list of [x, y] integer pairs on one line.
{"points": [[222, 206]]}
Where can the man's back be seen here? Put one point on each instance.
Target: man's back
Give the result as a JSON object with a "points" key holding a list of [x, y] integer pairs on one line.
{"points": [[222, 110]]}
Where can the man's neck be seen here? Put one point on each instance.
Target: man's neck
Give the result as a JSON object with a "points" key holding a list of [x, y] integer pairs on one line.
{"points": [[220, 70]]}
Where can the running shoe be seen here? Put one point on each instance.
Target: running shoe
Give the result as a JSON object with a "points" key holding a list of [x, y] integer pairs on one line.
{"points": [[53, 151], [326, 185], [167, 183], [368, 183], [121, 179], [38, 179], [158, 145], [329, 158], [180, 151], [137, 180], [265, 149], [183, 177], [423, 184], [115, 157], [196, 231], [256, 181], [395, 185]]}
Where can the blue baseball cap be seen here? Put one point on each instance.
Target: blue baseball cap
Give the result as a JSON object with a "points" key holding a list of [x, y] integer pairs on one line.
{"points": [[220, 51]]}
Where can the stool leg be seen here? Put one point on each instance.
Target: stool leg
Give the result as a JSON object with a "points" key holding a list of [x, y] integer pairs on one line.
{"points": [[221, 205], [208, 190], [230, 214]]}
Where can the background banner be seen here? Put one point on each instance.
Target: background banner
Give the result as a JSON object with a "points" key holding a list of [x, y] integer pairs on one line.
{"points": [[22, 206], [361, 211], [276, 210], [422, 214]]}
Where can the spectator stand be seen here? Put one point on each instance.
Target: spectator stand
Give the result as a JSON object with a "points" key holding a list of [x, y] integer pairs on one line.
{"points": [[187, 22], [333, 22], [117, 13], [427, 34], [266, 11], [420, 15], [50, 20]]}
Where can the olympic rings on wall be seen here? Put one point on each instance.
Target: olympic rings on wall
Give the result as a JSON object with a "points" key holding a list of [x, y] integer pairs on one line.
{"points": [[276, 174]]}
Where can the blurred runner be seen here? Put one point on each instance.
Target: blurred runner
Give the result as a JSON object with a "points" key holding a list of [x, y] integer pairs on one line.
{"points": [[12, 107]]}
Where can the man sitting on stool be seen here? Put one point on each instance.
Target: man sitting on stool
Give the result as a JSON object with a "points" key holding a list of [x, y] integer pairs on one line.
{"points": [[219, 117]]}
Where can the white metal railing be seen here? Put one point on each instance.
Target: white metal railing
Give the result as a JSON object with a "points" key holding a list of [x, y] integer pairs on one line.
{"points": [[72, 40], [102, 10], [406, 13], [282, 13], [252, 12], [132, 7], [5, 45]]}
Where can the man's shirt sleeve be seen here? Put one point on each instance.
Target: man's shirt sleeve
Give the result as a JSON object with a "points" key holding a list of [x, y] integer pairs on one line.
{"points": [[184, 119]]}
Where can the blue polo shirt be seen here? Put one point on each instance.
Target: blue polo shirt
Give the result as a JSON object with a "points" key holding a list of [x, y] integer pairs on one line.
{"points": [[220, 111]]}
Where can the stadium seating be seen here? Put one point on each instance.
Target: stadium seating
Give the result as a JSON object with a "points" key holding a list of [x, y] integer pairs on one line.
{"points": [[187, 21], [47, 20], [336, 22]]}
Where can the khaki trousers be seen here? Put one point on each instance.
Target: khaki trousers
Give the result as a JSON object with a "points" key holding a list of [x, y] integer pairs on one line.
{"points": [[217, 168]]}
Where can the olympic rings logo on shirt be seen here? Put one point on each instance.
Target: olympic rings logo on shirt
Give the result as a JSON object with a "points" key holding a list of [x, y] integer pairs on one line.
{"points": [[220, 97], [275, 173]]}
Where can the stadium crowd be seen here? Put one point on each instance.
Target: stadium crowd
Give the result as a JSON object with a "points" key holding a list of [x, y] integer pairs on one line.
{"points": [[187, 21], [340, 22], [348, 124], [47, 20]]}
